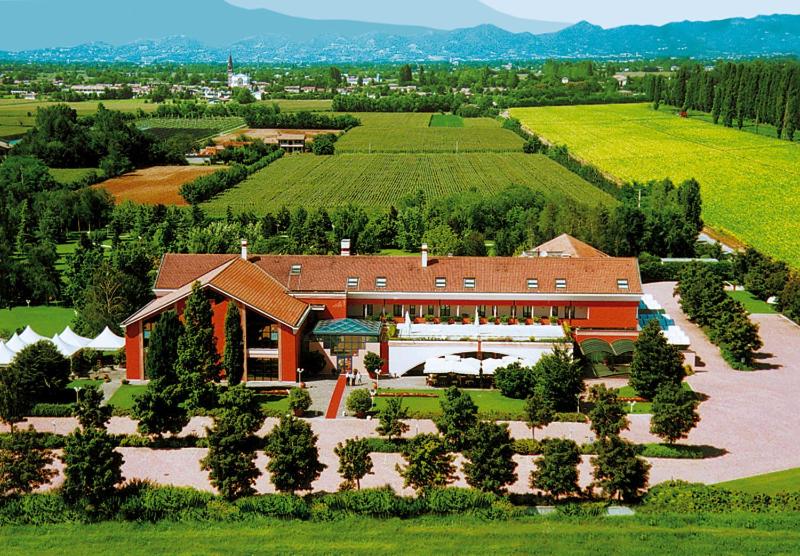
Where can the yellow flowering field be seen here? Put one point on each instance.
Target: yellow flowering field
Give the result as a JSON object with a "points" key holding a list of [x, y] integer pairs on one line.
{"points": [[750, 183]]}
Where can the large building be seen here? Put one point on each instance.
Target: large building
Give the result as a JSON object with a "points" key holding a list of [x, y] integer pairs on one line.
{"points": [[237, 79], [333, 309]]}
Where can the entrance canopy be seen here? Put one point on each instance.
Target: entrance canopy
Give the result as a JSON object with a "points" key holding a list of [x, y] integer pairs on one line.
{"points": [[348, 327]]}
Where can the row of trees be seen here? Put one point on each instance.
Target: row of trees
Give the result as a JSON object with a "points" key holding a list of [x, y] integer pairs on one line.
{"points": [[734, 93], [703, 299]]}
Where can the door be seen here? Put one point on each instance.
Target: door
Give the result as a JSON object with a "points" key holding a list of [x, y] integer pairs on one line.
{"points": [[344, 363]]}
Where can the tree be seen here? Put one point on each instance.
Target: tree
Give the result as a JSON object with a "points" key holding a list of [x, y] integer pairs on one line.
{"points": [[459, 415], [243, 95], [294, 458], [198, 361], [90, 410], [538, 411], [359, 402], [560, 379], [162, 348], [373, 363], [354, 462], [40, 275], [231, 458], [14, 400], [618, 470], [515, 381], [607, 415], [24, 464], [441, 240], [674, 413], [41, 372], [299, 401], [104, 301], [406, 75], [556, 470], [391, 419], [324, 144], [233, 356], [490, 466], [655, 362], [429, 463]]}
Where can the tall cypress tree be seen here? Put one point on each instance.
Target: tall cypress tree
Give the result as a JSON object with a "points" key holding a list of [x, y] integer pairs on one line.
{"points": [[162, 350], [233, 357], [655, 362], [198, 361]]}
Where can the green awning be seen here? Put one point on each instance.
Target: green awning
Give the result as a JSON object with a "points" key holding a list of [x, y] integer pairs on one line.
{"points": [[348, 327], [594, 345]]}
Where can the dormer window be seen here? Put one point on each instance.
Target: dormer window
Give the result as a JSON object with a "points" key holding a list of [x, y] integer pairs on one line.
{"points": [[380, 282], [296, 268], [561, 283], [622, 283], [352, 282], [533, 283], [441, 282], [469, 283]]}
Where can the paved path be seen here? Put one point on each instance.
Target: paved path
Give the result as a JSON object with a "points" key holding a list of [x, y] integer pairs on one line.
{"points": [[752, 415]]}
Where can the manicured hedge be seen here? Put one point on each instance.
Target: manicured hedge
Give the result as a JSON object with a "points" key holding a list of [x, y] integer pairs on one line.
{"points": [[205, 187], [682, 497]]}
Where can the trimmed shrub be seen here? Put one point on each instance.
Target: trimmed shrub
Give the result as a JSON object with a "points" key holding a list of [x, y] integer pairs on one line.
{"points": [[37, 509], [156, 503], [688, 498], [359, 402], [458, 500], [53, 410], [515, 381], [284, 506], [379, 502], [527, 447]]}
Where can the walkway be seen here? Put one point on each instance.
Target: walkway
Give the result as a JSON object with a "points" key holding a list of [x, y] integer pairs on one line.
{"points": [[336, 398]]}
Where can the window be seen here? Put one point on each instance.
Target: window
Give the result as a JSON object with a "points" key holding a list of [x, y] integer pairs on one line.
{"points": [[561, 283], [261, 333], [380, 282], [622, 283], [397, 310], [412, 311], [368, 310], [444, 310], [441, 282], [296, 268], [533, 283], [262, 369], [430, 310], [482, 311], [352, 282], [469, 283], [554, 312], [526, 312], [569, 312], [581, 313]]}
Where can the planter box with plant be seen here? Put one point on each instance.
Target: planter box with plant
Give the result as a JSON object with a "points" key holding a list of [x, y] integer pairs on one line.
{"points": [[299, 401], [359, 402]]}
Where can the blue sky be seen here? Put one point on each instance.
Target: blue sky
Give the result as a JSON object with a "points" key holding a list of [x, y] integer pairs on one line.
{"points": [[608, 13]]}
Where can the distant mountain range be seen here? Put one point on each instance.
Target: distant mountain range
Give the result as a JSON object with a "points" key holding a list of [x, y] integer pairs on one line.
{"points": [[151, 31]]}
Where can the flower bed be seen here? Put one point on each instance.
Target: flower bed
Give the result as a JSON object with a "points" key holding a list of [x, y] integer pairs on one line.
{"points": [[406, 395]]}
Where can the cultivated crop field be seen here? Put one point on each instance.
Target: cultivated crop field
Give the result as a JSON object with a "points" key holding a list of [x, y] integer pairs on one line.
{"points": [[378, 181], [300, 105], [17, 116], [155, 185], [69, 175], [750, 183], [196, 128]]}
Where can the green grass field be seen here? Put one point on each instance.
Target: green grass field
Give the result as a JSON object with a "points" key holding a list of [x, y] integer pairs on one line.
{"points": [[378, 181], [446, 120], [490, 403], [17, 116], [640, 407], [769, 483], [752, 304], [750, 183], [645, 535], [300, 105], [46, 320], [393, 137], [69, 175]]}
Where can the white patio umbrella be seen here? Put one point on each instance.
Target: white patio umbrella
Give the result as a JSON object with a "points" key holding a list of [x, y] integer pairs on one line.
{"points": [[29, 336], [70, 337], [65, 349], [107, 341], [407, 323], [15, 343]]}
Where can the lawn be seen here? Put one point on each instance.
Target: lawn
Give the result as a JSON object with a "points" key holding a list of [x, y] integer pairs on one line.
{"points": [[69, 175], [379, 181], [47, 320], [750, 183], [646, 535], [124, 397], [769, 483], [752, 304], [491, 403], [446, 120], [640, 407]]}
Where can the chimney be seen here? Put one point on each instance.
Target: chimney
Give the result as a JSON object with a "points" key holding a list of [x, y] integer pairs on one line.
{"points": [[424, 255], [345, 248], [244, 249]]}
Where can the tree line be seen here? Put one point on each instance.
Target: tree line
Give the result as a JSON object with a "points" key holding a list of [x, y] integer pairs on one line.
{"points": [[761, 92]]}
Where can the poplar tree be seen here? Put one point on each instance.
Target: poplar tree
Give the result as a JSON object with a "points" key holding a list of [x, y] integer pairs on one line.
{"points": [[198, 362], [656, 362], [233, 357]]}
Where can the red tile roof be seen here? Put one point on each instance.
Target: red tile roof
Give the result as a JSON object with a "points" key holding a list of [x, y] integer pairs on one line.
{"points": [[330, 273], [567, 245]]}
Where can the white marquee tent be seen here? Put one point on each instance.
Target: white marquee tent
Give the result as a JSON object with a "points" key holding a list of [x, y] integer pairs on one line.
{"points": [[30, 337], [6, 355], [67, 343], [107, 341], [65, 349], [71, 337], [15, 343]]}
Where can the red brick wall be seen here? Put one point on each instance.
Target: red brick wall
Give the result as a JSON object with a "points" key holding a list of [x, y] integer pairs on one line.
{"points": [[289, 353]]}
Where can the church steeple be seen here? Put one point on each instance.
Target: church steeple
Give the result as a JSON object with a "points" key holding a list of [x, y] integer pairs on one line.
{"points": [[230, 64]]}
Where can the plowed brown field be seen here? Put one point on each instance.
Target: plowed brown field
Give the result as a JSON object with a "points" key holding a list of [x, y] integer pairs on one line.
{"points": [[159, 184]]}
